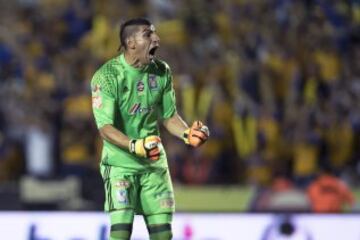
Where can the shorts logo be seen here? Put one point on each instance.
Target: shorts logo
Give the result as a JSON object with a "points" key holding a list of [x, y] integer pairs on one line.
{"points": [[167, 203], [153, 82], [167, 194], [140, 86], [122, 184], [121, 196]]}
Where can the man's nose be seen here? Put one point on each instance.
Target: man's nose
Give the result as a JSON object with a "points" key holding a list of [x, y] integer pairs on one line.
{"points": [[156, 38]]}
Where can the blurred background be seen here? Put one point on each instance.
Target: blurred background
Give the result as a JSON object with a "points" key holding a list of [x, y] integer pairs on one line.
{"points": [[276, 81]]}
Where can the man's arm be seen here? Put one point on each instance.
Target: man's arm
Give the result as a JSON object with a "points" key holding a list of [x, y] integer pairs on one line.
{"points": [[114, 136], [176, 125], [194, 136], [146, 147], [104, 105]]}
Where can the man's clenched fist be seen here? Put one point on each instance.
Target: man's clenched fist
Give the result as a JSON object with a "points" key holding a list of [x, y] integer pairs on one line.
{"points": [[147, 147], [197, 134]]}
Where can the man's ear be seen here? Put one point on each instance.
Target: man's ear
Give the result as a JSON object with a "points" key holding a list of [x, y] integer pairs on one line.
{"points": [[130, 42]]}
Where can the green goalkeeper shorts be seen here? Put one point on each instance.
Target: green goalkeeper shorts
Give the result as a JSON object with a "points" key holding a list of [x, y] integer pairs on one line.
{"points": [[145, 193]]}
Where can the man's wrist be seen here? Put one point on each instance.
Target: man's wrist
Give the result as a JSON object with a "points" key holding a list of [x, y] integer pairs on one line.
{"points": [[132, 145], [185, 136]]}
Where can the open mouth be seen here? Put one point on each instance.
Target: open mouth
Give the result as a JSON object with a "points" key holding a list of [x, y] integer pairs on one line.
{"points": [[152, 52]]}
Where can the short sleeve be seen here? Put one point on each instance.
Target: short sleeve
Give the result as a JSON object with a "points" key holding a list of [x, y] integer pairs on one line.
{"points": [[168, 105], [103, 100]]}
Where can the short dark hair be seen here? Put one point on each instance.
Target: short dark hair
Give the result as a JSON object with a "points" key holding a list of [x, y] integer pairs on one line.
{"points": [[126, 30]]}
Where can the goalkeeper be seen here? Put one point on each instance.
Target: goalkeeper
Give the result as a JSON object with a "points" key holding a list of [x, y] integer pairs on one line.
{"points": [[130, 94]]}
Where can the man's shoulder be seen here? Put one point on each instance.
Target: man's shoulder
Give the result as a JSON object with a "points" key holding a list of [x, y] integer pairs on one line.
{"points": [[112, 67]]}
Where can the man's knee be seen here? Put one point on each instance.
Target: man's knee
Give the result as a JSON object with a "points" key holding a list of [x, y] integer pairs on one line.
{"points": [[121, 224], [160, 232], [159, 226], [120, 231]]}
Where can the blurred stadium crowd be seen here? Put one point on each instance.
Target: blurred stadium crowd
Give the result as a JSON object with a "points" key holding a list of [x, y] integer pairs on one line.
{"points": [[278, 83]]}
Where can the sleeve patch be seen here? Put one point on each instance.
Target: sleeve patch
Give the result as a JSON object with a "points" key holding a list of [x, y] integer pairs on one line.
{"points": [[97, 101], [96, 89], [96, 97]]}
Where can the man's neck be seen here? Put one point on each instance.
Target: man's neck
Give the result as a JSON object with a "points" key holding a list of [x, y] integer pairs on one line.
{"points": [[133, 60]]}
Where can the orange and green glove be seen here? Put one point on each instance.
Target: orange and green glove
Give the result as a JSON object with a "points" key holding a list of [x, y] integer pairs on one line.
{"points": [[147, 147], [197, 134]]}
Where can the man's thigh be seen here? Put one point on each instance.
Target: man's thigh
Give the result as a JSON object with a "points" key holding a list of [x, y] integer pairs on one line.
{"points": [[156, 194], [121, 189]]}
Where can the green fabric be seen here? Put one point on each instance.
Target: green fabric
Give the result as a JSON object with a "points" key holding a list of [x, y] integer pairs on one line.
{"points": [[164, 235], [121, 227], [132, 100], [158, 219], [153, 229], [123, 194], [121, 231], [121, 224], [122, 216], [159, 226], [120, 235]]}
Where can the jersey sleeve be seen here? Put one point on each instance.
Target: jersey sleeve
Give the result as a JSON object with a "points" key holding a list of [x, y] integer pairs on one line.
{"points": [[168, 105], [103, 99]]}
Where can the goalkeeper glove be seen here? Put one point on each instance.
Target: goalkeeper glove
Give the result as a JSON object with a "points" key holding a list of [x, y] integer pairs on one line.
{"points": [[197, 134], [146, 147]]}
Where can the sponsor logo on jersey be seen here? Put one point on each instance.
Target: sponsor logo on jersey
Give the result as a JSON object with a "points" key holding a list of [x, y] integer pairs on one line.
{"points": [[140, 86], [136, 108], [153, 85]]}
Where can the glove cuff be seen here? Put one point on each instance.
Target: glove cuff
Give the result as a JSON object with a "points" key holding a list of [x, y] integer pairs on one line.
{"points": [[186, 136], [132, 146]]}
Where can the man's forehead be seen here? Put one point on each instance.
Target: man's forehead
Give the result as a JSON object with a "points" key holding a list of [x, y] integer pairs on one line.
{"points": [[144, 28]]}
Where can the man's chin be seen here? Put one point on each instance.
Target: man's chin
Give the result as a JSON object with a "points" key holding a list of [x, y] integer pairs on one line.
{"points": [[149, 60]]}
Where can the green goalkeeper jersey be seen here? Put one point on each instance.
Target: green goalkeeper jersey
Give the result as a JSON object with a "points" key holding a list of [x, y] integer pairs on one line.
{"points": [[132, 100]]}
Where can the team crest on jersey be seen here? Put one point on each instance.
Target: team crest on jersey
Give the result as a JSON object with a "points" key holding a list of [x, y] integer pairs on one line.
{"points": [[153, 85], [140, 86]]}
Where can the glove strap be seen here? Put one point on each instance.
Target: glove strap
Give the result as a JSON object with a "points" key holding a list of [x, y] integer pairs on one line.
{"points": [[132, 145], [186, 136]]}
